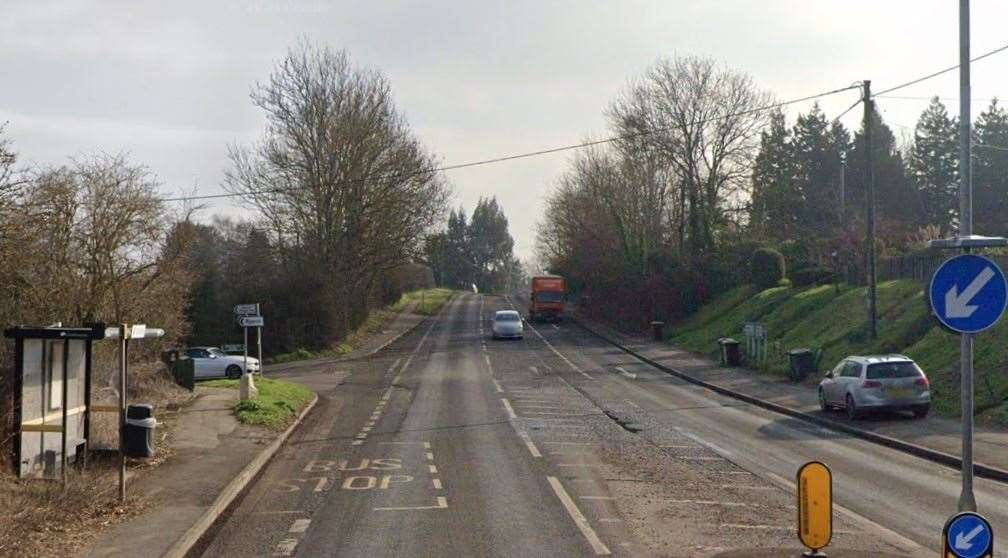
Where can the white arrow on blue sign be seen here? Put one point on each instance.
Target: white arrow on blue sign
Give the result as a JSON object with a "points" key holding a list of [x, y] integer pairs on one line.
{"points": [[968, 293], [969, 535]]}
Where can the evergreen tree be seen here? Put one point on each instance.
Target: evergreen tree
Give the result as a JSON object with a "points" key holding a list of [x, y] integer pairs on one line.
{"points": [[817, 168], [990, 172], [772, 182], [933, 165], [895, 198]]}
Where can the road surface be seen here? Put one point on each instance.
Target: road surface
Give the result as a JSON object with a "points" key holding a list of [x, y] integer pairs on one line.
{"points": [[449, 443]]}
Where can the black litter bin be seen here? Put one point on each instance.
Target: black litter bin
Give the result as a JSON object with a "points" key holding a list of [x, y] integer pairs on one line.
{"points": [[139, 436], [658, 330], [802, 363], [731, 353]]}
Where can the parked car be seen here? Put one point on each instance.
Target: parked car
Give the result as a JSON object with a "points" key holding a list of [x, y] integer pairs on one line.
{"points": [[862, 383], [508, 324], [211, 362]]}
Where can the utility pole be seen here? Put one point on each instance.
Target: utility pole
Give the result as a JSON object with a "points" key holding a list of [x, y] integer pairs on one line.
{"points": [[843, 193], [870, 188], [967, 502]]}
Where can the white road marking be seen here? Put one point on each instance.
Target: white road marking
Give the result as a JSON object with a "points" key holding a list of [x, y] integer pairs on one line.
{"points": [[442, 503], [299, 526], [432, 469], [388, 393], [437, 483], [559, 354], [632, 404], [534, 370], [626, 374], [717, 449], [555, 326], [366, 429], [497, 385], [286, 547], [507, 405], [430, 456], [487, 359], [528, 444], [579, 519], [357, 442], [361, 436], [610, 520], [426, 445]]}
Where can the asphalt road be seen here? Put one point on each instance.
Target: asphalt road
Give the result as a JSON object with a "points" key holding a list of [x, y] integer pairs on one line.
{"points": [[448, 443]]}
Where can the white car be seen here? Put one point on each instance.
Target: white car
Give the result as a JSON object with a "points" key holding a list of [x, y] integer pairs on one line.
{"points": [[211, 362], [507, 324]]}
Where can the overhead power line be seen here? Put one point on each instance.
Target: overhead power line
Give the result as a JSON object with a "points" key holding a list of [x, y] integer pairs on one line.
{"points": [[938, 73], [435, 170]]}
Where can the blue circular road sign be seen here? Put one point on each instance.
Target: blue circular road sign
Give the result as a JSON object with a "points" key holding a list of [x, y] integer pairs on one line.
{"points": [[968, 293], [969, 535]]}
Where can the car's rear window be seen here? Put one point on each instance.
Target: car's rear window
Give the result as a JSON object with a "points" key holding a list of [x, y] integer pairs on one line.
{"points": [[510, 317], [890, 370]]}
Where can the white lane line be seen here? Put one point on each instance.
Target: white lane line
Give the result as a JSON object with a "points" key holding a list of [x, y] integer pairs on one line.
{"points": [[534, 370], [299, 526], [528, 444], [366, 429], [497, 385], [357, 442], [397, 379], [388, 393], [559, 354], [361, 436], [507, 405], [441, 504], [579, 519], [430, 456], [625, 374], [555, 326], [716, 448], [432, 469], [487, 359], [426, 445], [286, 547], [437, 484]]}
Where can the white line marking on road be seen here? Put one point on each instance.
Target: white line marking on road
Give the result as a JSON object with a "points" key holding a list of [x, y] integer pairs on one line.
{"points": [[426, 445], [430, 456], [528, 444], [442, 503], [361, 436], [632, 404], [394, 364], [357, 442], [610, 520], [534, 370], [626, 374], [717, 449], [487, 359], [397, 379], [432, 469], [388, 393], [579, 519], [497, 385], [286, 547], [299, 526], [507, 405], [437, 483], [555, 326], [559, 354], [366, 429]]}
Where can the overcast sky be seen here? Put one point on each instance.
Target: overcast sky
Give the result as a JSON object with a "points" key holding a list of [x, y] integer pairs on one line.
{"points": [[168, 82]]}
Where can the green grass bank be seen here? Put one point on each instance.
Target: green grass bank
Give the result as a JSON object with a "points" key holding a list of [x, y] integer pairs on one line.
{"points": [[277, 405], [832, 318]]}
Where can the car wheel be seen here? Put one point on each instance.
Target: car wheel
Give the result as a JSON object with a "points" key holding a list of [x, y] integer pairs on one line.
{"points": [[234, 372], [823, 405], [852, 410], [921, 411]]}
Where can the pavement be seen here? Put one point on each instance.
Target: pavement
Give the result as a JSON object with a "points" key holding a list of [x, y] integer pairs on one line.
{"points": [[935, 432], [450, 443], [213, 455]]}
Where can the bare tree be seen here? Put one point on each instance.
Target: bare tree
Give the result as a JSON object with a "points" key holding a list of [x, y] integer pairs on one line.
{"points": [[339, 176], [704, 122]]}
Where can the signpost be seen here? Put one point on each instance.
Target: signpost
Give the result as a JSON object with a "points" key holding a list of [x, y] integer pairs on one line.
{"points": [[249, 316], [815, 507], [968, 535], [968, 293]]}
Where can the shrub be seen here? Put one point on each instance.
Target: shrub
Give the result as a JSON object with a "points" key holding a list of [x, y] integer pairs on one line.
{"points": [[812, 275], [767, 268]]}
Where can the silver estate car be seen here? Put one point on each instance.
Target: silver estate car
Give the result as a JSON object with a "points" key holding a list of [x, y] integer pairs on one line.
{"points": [[862, 383], [507, 324]]}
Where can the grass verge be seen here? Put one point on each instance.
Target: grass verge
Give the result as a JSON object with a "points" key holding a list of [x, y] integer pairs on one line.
{"points": [[832, 319], [277, 405], [428, 301]]}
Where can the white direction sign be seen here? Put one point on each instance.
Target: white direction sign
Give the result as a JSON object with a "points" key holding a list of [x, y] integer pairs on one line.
{"points": [[251, 321], [246, 309]]}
